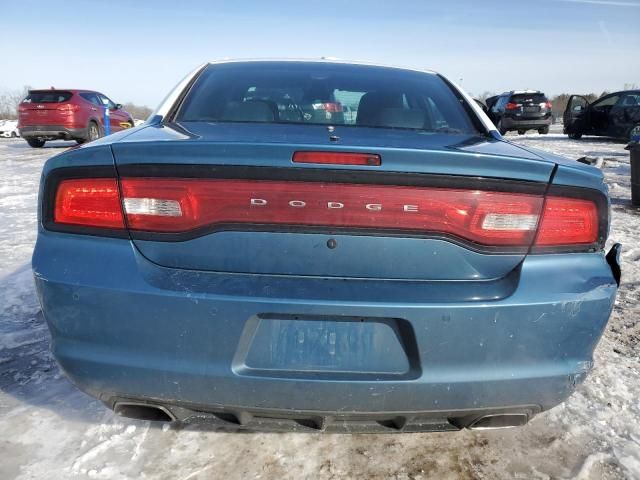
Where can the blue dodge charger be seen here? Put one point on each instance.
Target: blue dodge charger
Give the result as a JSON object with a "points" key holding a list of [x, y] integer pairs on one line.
{"points": [[323, 246]]}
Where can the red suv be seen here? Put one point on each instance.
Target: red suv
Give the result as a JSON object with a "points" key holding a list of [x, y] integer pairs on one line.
{"points": [[68, 115]]}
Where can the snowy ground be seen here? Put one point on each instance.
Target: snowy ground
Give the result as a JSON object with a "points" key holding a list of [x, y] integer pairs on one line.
{"points": [[48, 429]]}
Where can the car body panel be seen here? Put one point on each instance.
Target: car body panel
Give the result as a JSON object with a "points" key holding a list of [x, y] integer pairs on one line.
{"points": [[496, 353], [269, 324]]}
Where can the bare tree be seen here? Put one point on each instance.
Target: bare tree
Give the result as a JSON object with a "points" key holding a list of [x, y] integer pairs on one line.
{"points": [[9, 101], [140, 112]]}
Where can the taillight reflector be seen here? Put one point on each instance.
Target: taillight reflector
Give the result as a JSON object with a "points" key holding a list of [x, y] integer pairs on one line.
{"points": [[568, 221], [92, 202], [337, 158]]}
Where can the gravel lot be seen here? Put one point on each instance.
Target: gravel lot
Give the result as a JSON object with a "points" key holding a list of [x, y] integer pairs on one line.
{"points": [[51, 430]]}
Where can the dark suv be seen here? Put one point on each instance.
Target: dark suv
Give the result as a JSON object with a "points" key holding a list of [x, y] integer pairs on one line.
{"points": [[68, 115], [520, 110], [613, 115]]}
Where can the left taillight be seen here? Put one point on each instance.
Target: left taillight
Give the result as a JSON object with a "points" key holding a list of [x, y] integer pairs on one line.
{"points": [[88, 202]]}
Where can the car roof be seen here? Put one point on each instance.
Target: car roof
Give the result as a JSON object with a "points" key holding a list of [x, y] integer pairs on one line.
{"points": [[72, 90], [519, 92]]}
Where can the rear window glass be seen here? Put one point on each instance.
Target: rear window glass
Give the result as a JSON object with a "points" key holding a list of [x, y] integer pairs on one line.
{"points": [[48, 96], [529, 98], [325, 93]]}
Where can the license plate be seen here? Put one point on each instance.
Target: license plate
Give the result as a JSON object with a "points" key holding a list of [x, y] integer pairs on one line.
{"points": [[340, 345], [531, 109]]}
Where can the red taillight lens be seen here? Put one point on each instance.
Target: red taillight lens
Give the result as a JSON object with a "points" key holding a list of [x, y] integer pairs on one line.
{"points": [[181, 205], [68, 108], [568, 221], [337, 158], [91, 202], [178, 205], [331, 107], [511, 106], [549, 105]]}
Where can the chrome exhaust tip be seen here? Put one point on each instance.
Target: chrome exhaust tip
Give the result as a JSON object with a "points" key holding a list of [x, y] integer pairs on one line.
{"points": [[143, 411], [499, 420]]}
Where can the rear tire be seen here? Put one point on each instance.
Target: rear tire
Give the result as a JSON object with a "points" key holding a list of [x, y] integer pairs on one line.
{"points": [[35, 143], [543, 131], [13, 135], [501, 129], [93, 132], [575, 135]]}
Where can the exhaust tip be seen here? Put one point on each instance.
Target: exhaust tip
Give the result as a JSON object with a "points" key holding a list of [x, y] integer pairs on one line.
{"points": [[499, 420], [143, 411]]}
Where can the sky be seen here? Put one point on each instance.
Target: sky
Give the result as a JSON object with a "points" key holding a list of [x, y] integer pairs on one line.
{"points": [[138, 50]]}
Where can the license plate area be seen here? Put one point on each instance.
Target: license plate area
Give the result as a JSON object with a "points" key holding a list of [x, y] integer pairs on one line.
{"points": [[303, 346], [531, 109]]}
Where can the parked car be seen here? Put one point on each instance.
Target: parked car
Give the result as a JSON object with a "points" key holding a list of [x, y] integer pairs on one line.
{"points": [[9, 128], [520, 110], [613, 115], [68, 115], [403, 270]]}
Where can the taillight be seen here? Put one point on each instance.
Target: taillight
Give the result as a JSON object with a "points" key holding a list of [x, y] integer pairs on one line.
{"points": [[89, 202], [68, 108], [568, 221], [182, 205], [511, 106], [331, 107], [548, 105], [197, 206], [337, 158]]}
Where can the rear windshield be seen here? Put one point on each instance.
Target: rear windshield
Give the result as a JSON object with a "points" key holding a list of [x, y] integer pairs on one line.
{"points": [[48, 96], [529, 98], [325, 93]]}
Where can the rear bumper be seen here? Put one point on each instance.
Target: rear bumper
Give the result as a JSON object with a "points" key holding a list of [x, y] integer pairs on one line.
{"points": [[126, 329], [525, 123], [52, 132]]}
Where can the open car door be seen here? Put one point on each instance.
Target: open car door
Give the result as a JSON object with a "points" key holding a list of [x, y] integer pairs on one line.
{"points": [[574, 115]]}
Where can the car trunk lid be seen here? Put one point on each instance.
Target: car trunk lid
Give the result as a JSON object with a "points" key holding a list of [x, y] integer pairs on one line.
{"points": [[318, 219]]}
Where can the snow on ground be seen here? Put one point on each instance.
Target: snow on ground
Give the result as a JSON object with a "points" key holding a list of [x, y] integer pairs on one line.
{"points": [[48, 429]]}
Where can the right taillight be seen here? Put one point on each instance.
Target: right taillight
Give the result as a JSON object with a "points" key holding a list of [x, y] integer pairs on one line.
{"points": [[568, 221]]}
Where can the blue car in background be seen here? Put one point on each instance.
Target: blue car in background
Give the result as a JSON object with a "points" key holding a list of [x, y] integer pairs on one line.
{"points": [[323, 246]]}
